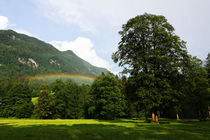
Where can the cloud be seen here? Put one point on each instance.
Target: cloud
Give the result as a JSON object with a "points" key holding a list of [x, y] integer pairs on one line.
{"points": [[3, 22], [22, 31], [191, 21], [70, 11], [84, 48], [89, 14]]}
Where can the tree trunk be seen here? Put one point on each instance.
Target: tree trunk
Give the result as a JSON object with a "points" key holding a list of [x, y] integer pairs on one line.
{"points": [[153, 117], [177, 116], [156, 119]]}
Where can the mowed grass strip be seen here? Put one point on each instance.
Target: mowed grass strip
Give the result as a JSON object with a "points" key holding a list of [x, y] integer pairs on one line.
{"points": [[123, 129]]}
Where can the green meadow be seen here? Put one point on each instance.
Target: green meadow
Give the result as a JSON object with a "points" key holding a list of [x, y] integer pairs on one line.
{"points": [[123, 129]]}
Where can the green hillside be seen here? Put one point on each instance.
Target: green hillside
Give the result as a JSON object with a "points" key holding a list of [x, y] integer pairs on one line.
{"points": [[21, 55]]}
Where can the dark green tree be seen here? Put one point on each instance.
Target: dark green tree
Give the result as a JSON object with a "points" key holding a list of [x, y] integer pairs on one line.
{"points": [[17, 101], [84, 90], [150, 52], [1, 91], [60, 100], [106, 101], [76, 102], [207, 66], [173, 103], [195, 103], [43, 109], [68, 100]]}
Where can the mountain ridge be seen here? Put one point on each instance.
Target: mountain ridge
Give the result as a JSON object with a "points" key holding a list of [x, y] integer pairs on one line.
{"points": [[22, 56]]}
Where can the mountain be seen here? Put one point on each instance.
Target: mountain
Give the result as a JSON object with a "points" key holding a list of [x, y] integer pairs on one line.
{"points": [[21, 56]]}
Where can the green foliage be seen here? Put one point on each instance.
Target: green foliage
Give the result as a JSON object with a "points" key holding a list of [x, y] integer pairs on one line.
{"points": [[196, 91], [60, 101], [106, 101], [76, 100], [17, 102], [68, 100], [43, 108], [207, 67], [151, 53], [51, 100]]}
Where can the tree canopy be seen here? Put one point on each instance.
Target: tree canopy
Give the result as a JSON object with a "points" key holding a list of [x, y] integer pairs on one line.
{"points": [[152, 53], [106, 102]]}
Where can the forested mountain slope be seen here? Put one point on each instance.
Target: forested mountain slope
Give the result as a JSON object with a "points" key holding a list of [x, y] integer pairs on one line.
{"points": [[21, 56]]}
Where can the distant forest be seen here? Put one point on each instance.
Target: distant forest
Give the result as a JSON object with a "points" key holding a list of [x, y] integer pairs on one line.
{"points": [[159, 79]]}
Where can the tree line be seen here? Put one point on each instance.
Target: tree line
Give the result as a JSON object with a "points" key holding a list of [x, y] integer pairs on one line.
{"points": [[162, 75], [109, 97], [159, 79]]}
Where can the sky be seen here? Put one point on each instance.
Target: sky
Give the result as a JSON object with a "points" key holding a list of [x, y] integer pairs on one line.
{"points": [[90, 27]]}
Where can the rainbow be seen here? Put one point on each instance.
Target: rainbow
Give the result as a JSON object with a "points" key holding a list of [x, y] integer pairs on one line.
{"points": [[40, 77]]}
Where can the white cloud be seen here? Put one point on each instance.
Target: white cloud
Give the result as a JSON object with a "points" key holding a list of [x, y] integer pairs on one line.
{"points": [[3, 22], [70, 11], [89, 14], [22, 31], [84, 48], [191, 20]]}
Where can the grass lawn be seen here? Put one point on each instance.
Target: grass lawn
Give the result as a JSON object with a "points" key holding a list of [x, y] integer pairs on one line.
{"points": [[124, 129]]}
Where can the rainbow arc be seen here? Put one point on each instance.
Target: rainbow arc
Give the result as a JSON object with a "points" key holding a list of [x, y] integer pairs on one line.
{"points": [[59, 76]]}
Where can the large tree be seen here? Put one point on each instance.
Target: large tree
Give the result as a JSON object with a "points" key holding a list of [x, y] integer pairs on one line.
{"points": [[76, 105], [43, 108], [68, 100], [60, 100], [106, 101], [151, 53]]}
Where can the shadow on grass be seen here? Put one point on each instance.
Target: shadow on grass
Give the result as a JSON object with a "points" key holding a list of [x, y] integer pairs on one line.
{"points": [[104, 131], [122, 121], [134, 121]]}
